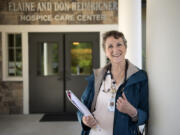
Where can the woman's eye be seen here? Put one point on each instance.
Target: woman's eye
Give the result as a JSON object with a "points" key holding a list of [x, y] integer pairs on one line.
{"points": [[119, 44], [110, 46]]}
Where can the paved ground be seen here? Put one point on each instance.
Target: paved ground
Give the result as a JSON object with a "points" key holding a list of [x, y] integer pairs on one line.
{"points": [[30, 125]]}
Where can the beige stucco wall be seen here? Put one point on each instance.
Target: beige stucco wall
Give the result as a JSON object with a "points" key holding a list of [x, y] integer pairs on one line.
{"points": [[163, 66]]}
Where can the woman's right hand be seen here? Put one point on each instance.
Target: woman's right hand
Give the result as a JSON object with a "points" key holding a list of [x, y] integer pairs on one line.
{"points": [[89, 121]]}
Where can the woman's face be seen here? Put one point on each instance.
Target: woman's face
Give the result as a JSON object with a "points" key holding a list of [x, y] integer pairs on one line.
{"points": [[115, 49]]}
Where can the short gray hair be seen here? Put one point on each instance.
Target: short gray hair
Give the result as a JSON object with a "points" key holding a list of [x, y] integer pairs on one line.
{"points": [[116, 35]]}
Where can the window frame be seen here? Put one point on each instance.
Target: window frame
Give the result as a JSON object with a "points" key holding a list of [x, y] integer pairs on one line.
{"points": [[5, 58]]}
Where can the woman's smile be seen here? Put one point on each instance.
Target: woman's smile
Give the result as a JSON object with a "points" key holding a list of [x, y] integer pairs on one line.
{"points": [[116, 55]]}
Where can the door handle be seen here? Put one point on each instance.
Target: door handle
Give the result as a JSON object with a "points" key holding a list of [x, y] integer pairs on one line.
{"points": [[61, 75]]}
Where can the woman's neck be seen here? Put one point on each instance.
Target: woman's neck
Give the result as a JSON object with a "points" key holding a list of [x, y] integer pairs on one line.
{"points": [[118, 71]]}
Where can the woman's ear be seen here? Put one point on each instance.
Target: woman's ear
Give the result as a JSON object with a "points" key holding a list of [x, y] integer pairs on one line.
{"points": [[126, 51]]}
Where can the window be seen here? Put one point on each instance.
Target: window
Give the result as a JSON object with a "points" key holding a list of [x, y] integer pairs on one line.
{"points": [[47, 59], [14, 54], [81, 58]]}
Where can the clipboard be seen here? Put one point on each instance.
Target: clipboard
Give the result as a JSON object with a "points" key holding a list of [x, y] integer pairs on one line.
{"points": [[77, 103]]}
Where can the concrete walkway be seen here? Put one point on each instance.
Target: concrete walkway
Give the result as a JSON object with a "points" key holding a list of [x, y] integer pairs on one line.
{"points": [[30, 125]]}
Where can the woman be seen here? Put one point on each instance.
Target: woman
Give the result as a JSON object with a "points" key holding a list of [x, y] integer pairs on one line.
{"points": [[117, 94]]}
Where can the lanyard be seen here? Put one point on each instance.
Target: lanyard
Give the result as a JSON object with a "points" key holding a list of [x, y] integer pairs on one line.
{"points": [[125, 78]]}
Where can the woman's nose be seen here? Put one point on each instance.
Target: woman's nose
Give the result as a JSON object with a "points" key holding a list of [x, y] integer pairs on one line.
{"points": [[115, 49]]}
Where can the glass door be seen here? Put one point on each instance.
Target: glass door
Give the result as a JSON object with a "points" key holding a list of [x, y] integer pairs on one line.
{"points": [[82, 55], [60, 61]]}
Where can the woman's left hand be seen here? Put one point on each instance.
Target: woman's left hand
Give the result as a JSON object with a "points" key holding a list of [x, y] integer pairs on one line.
{"points": [[124, 106]]}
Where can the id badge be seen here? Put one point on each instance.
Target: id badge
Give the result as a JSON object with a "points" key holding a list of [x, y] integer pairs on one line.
{"points": [[111, 105]]}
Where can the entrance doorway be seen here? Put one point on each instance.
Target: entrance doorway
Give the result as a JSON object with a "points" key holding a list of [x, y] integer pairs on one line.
{"points": [[60, 61]]}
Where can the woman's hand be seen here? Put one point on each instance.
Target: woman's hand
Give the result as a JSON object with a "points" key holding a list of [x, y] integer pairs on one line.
{"points": [[124, 106], [89, 121]]}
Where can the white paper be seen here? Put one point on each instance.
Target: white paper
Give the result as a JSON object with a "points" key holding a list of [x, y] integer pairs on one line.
{"points": [[141, 128], [76, 102]]}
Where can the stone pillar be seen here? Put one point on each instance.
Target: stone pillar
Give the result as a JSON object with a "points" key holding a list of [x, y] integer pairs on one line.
{"points": [[130, 25], [163, 66]]}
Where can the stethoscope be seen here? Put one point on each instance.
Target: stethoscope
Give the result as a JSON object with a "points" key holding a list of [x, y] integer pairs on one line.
{"points": [[113, 82]]}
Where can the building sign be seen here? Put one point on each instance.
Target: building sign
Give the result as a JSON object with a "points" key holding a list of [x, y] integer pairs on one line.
{"points": [[58, 12]]}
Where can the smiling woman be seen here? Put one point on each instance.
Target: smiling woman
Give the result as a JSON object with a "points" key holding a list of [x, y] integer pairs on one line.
{"points": [[119, 91]]}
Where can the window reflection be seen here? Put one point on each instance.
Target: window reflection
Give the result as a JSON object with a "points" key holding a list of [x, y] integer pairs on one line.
{"points": [[48, 60], [81, 58]]}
